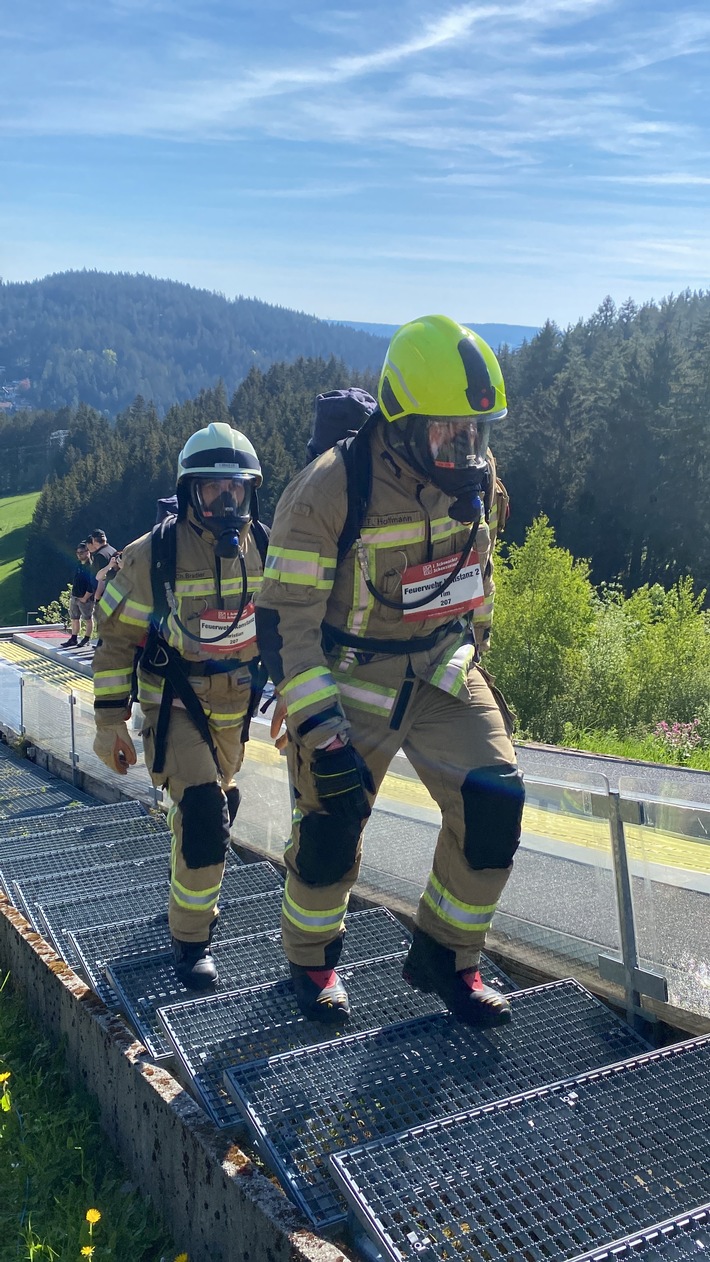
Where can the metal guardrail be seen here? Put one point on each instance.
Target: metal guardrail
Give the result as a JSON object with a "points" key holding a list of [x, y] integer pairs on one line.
{"points": [[613, 877]]}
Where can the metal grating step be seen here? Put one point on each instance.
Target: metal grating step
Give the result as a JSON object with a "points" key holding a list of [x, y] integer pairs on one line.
{"points": [[148, 984], [74, 818], [77, 885], [66, 852], [92, 948], [215, 1034], [150, 935], [45, 871], [241, 880], [563, 1172], [686, 1237], [56, 921], [30, 799], [307, 1104]]}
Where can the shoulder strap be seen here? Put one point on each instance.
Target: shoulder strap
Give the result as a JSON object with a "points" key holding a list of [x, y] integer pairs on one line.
{"points": [[163, 564], [357, 457], [260, 535]]}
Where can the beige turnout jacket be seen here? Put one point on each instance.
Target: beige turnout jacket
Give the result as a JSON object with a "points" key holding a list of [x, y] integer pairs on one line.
{"points": [[407, 524]]}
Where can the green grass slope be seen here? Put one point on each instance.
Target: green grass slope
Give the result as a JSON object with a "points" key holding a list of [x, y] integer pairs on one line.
{"points": [[15, 517]]}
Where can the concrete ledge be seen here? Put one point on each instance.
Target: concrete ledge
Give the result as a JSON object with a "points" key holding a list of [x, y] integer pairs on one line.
{"points": [[217, 1204]]}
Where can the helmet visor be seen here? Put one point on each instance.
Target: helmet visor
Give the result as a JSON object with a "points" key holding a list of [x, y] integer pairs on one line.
{"points": [[458, 443]]}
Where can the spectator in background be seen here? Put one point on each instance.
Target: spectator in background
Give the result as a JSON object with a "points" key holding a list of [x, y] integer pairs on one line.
{"points": [[81, 605], [101, 554]]}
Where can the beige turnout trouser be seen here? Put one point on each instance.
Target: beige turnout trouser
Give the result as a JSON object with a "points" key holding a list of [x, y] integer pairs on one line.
{"points": [[446, 739], [199, 805]]}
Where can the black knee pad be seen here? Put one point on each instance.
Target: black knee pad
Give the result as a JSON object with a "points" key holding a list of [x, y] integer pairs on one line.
{"points": [[205, 825], [327, 848], [493, 799], [233, 797]]}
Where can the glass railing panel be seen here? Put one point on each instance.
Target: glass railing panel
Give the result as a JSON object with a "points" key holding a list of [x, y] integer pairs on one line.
{"points": [[561, 897], [668, 847], [264, 818], [137, 783], [10, 700], [47, 717]]}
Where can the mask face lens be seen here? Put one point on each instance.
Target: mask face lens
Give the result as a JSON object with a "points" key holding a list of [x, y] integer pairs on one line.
{"points": [[457, 444], [222, 503]]}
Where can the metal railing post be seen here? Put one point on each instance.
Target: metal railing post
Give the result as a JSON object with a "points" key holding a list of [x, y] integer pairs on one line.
{"points": [[625, 906], [72, 728], [627, 972], [22, 705]]}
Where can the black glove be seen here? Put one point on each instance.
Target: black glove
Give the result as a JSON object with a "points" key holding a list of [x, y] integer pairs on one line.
{"points": [[342, 779]]}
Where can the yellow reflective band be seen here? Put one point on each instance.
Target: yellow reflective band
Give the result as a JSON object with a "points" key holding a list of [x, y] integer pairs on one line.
{"points": [[194, 900], [450, 675], [135, 614], [294, 565], [467, 916], [312, 921], [308, 687]]}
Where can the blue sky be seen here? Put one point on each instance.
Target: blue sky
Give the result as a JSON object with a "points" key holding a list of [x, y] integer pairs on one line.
{"points": [[498, 161]]}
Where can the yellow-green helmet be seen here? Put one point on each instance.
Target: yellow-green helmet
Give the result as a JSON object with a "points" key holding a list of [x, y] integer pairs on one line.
{"points": [[437, 367]]}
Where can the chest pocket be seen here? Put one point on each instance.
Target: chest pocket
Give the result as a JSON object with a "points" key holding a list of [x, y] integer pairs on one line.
{"points": [[392, 545]]}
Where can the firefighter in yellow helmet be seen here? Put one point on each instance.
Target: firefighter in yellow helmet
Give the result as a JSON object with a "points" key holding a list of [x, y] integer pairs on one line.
{"points": [[372, 633], [182, 607]]}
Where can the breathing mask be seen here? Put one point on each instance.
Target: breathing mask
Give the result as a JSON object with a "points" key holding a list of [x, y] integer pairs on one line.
{"points": [[451, 453], [222, 506]]}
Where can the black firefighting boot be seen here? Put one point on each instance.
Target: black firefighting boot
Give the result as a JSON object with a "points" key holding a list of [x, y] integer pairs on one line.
{"points": [[320, 994], [194, 964], [429, 966]]}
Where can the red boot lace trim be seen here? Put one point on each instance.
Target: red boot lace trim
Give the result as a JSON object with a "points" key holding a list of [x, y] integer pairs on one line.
{"points": [[472, 978], [323, 978]]}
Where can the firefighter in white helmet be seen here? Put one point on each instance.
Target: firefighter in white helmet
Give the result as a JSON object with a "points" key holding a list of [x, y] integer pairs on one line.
{"points": [[373, 637], [182, 606]]}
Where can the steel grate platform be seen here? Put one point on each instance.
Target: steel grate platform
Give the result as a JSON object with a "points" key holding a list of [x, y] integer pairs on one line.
{"points": [[77, 885], [214, 1034], [48, 869], [75, 819], [686, 1237], [101, 833], [29, 799], [307, 1104], [92, 948], [56, 920], [560, 1173], [147, 983], [150, 935]]}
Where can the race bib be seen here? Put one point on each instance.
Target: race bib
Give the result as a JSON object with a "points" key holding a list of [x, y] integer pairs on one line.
{"points": [[465, 593], [214, 622]]}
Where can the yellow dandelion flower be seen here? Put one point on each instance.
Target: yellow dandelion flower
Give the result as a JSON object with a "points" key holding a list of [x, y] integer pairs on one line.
{"points": [[92, 1215], [88, 1251], [181, 1257], [4, 1077]]}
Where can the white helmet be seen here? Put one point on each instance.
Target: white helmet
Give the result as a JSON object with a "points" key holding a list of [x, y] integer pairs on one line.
{"points": [[219, 451], [218, 473]]}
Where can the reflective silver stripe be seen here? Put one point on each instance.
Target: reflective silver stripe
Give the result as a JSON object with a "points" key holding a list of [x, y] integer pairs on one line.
{"points": [[463, 915], [368, 696], [201, 900], [386, 536], [312, 921], [450, 676], [308, 687], [135, 614]]}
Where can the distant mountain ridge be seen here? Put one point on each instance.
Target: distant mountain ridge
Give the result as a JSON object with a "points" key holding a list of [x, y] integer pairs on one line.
{"points": [[512, 335], [102, 338]]}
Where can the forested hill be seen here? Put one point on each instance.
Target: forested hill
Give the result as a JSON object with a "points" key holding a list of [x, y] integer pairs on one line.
{"points": [[607, 434], [101, 339]]}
